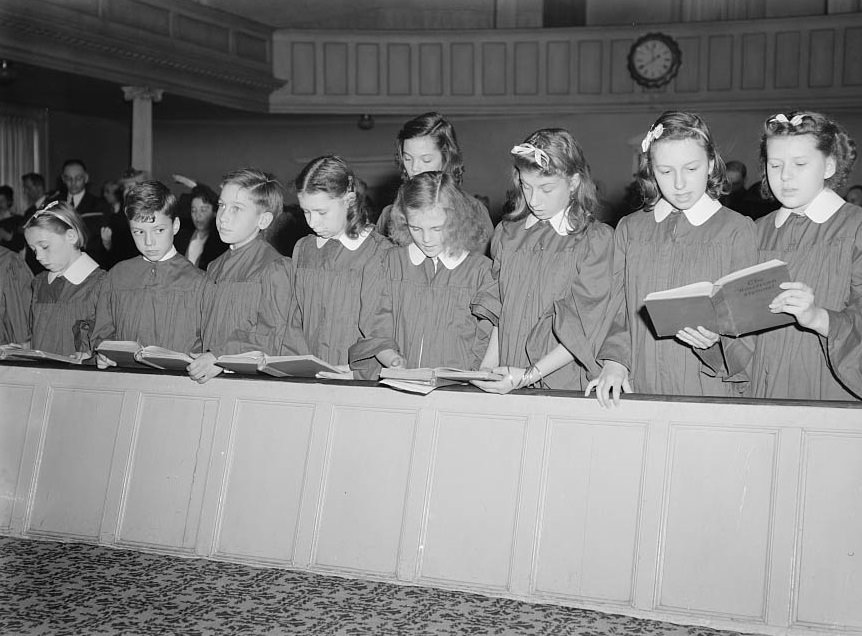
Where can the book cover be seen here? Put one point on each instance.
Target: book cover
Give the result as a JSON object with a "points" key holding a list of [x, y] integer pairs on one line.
{"points": [[411, 386], [735, 304], [307, 366], [247, 363], [430, 375], [35, 354], [123, 352], [163, 359]]}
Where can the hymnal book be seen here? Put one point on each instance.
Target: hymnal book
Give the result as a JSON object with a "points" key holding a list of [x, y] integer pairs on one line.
{"points": [[18, 353], [733, 305], [306, 366], [425, 380], [128, 353]]}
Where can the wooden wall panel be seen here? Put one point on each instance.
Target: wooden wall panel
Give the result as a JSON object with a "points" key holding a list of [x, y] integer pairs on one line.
{"points": [[212, 36], [621, 81], [430, 69], [74, 463], [367, 69], [592, 488], [267, 463], [527, 68], [140, 15], [494, 68], [462, 71], [559, 68], [399, 69], [162, 499], [14, 419], [829, 571], [720, 63], [821, 58], [303, 67], [753, 61], [688, 78], [853, 57], [251, 47], [335, 68], [590, 67], [469, 533], [702, 523], [364, 488], [787, 52]]}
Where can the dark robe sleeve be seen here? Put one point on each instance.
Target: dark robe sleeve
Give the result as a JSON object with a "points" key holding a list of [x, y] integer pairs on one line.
{"points": [[17, 290], [581, 318], [617, 345], [376, 322], [104, 327], [487, 304]]}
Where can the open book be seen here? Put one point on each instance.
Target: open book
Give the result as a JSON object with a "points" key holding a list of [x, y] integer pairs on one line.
{"points": [[13, 352], [425, 380], [128, 353], [733, 305], [306, 366]]}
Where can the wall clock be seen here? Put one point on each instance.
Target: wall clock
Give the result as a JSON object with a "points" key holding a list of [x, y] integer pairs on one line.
{"points": [[654, 60]]}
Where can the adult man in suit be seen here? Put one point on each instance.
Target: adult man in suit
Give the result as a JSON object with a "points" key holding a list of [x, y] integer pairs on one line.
{"points": [[33, 185]]}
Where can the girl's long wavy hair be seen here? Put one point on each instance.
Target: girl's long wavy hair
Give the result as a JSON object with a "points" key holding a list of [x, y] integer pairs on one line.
{"points": [[565, 159], [831, 138], [463, 230], [332, 175], [432, 125], [676, 125]]}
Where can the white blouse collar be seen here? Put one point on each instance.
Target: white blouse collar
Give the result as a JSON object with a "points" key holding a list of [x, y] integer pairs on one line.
{"points": [[171, 253], [820, 210], [698, 214], [560, 222], [450, 262], [78, 271], [352, 244]]}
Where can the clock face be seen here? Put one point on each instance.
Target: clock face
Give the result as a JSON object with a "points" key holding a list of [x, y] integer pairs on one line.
{"points": [[654, 60]]}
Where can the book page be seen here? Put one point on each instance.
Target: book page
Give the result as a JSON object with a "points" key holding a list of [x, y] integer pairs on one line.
{"points": [[748, 271], [686, 291]]}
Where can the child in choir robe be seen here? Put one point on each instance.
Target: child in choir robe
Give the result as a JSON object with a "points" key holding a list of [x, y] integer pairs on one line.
{"points": [[16, 294], [548, 248], [418, 312], [805, 158], [250, 286], [330, 263], [428, 143], [682, 235], [63, 308], [154, 298]]}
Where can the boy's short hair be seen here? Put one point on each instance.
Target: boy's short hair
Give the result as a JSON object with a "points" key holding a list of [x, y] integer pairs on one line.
{"points": [[146, 199], [264, 189]]}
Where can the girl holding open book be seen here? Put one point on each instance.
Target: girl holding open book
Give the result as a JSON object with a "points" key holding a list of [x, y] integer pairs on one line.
{"points": [[330, 263], [805, 157], [549, 248], [681, 235], [420, 310]]}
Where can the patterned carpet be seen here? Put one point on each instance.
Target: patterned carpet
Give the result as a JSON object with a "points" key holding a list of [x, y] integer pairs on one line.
{"points": [[78, 590]]}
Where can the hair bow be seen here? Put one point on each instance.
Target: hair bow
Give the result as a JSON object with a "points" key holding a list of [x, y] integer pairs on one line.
{"points": [[653, 134], [538, 155], [782, 119]]}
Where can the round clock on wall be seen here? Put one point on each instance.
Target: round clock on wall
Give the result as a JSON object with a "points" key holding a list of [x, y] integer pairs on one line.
{"points": [[654, 60]]}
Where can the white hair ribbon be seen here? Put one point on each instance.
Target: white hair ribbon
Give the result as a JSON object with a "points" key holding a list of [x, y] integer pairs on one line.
{"points": [[538, 155], [653, 134], [781, 118]]}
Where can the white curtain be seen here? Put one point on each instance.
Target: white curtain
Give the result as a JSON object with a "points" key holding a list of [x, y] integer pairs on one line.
{"points": [[19, 152]]}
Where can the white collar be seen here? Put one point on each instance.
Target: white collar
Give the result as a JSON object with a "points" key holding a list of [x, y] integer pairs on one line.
{"points": [[171, 253], [76, 198], [560, 222], [820, 210], [698, 214], [417, 257], [78, 271], [352, 244]]}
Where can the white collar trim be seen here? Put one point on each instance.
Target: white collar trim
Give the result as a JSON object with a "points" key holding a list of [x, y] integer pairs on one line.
{"points": [[417, 257], [820, 210], [698, 214], [350, 243], [78, 271], [560, 222], [171, 253]]}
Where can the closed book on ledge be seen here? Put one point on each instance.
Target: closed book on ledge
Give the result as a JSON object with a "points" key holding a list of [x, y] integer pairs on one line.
{"points": [[253, 362], [733, 305], [8, 352], [425, 380], [130, 354]]}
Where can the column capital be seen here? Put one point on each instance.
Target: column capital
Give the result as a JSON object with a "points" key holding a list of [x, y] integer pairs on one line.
{"points": [[131, 93]]}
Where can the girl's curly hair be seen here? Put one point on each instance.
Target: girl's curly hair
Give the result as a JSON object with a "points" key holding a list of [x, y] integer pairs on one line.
{"points": [[332, 175], [432, 125]]}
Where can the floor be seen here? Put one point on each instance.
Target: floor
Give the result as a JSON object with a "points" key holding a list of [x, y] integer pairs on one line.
{"points": [[78, 590]]}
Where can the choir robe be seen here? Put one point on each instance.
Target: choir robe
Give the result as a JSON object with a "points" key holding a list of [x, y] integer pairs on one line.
{"points": [[792, 362], [652, 256], [16, 294], [536, 267], [246, 300], [153, 303], [328, 285], [63, 313], [425, 314]]}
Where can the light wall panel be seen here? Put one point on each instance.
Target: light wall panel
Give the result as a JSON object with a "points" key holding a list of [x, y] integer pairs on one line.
{"points": [[15, 404]]}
